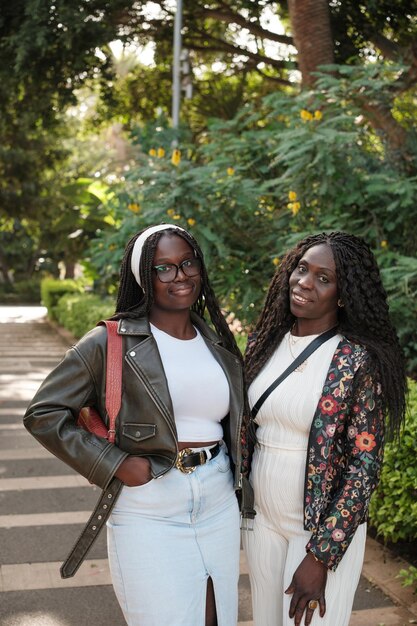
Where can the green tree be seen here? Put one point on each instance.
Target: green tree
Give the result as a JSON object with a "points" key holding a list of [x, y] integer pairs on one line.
{"points": [[59, 42], [353, 164]]}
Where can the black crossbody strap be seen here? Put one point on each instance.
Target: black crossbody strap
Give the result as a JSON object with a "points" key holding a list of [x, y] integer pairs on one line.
{"points": [[312, 346]]}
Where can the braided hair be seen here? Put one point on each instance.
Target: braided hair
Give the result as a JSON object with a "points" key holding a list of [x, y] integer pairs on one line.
{"points": [[134, 301], [364, 318]]}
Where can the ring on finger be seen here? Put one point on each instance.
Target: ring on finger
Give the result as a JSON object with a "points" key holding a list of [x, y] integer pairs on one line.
{"points": [[312, 604]]}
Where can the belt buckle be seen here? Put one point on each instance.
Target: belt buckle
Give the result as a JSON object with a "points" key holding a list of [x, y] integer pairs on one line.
{"points": [[185, 452]]}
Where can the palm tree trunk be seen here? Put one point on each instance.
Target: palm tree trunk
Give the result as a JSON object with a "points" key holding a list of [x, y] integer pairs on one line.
{"points": [[310, 21]]}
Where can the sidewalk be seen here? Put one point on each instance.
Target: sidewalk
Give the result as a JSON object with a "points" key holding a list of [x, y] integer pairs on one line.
{"points": [[44, 503]]}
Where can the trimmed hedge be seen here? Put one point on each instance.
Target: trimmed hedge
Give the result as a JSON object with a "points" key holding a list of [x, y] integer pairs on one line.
{"points": [[79, 312], [53, 289]]}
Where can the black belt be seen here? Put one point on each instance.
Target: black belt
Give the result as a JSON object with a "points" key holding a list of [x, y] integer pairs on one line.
{"points": [[92, 529], [187, 460]]}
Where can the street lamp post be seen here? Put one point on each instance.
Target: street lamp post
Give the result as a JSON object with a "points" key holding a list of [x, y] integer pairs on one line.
{"points": [[176, 68]]}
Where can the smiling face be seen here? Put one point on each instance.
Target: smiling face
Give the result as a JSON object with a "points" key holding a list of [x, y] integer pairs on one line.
{"points": [[313, 290], [183, 291]]}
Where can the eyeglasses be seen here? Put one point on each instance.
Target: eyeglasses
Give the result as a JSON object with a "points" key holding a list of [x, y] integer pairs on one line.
{"points": [[167, 272]]}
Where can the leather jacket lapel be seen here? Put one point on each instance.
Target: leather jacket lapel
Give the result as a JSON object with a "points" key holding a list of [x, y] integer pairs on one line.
{"points": [[145, 361]]}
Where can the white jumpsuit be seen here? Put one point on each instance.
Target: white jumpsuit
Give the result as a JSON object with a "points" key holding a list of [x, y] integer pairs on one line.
{"points": [[276, 546]]}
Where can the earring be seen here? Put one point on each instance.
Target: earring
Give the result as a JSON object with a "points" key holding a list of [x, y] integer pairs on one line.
{"points": [[340, 303]]}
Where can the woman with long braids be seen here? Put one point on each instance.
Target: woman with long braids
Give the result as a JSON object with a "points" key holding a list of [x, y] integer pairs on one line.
{"points": [[320, 432], [173, 533]]}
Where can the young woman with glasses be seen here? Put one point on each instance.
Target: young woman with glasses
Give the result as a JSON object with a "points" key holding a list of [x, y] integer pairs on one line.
{"points": [[173, 534]]}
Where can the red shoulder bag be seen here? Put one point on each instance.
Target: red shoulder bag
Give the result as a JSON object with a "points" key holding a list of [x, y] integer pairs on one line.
{"points": [[89, 418]]}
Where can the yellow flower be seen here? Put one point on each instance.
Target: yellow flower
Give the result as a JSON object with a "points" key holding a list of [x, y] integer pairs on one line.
{"points": [[176, 157], [292, 195], [318, 115], [161, 153], [171, 212], [135, 208], [384, 243], [276, 261], [152, 152], [191, 221], [295, 208], [305, 115], [230, 171], [176, 217], [112, 246]]}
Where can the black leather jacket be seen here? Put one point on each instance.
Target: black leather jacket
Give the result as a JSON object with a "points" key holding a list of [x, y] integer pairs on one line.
{"points": [[145, 425]]}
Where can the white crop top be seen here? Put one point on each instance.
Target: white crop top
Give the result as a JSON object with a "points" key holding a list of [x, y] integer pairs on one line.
{"points": [[197, 385]]}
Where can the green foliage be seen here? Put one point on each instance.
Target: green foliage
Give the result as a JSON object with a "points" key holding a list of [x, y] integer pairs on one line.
{"points": [[343, 172], [28, 290], [355, 24], [75, 222], [409, 577], [52, 47], [30, 145], [17, 249], [21, 292], [81, 312], [241, 340], [52, 290], [291, 165], [400, 279], [393, 508], [57, 42]]}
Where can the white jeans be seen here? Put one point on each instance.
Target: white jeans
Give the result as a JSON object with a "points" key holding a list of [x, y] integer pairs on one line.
{"points": [[166, 538]]}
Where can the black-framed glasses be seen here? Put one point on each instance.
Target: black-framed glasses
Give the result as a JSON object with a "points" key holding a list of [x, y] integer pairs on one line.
{"points": [[167, 272]]}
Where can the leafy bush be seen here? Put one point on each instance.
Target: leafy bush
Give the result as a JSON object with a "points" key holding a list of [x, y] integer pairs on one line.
{"points": [[80, 312], [399, 275], [52, 290], [393, 508]]}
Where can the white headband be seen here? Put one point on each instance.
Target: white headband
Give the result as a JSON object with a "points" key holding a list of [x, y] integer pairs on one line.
{"points": [[138, 246]]}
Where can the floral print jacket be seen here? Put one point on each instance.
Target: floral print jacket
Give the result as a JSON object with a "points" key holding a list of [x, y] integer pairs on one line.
{"points": [[344, 455]]}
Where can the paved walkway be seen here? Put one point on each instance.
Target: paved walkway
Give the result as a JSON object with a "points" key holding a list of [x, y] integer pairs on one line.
{"points": [[43, 505]]}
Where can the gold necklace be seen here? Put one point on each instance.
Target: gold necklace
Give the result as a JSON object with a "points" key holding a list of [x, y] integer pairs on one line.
{"points": [[292, 340]]}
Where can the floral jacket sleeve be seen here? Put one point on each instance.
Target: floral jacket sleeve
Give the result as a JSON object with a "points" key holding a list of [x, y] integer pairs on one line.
{"points": [[344, 454]]}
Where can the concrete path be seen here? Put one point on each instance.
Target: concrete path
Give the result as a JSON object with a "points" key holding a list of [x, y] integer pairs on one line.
{"points": [[43, 505]]}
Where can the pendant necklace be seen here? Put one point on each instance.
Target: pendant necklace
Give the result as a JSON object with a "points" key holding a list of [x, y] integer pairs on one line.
{"points": [[293, 341]]}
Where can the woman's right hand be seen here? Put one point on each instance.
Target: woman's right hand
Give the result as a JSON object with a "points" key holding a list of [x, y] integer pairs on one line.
{"points": [[308, 584], [134, 471]]}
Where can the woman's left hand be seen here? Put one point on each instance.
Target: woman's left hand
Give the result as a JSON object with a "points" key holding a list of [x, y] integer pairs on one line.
{"points": [[308, 585]]}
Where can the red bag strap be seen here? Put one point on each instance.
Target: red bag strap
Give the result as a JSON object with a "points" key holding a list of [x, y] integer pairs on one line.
{"points": [[113, 376]]}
